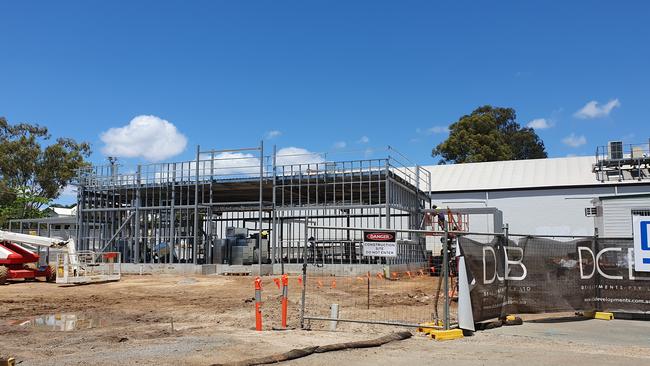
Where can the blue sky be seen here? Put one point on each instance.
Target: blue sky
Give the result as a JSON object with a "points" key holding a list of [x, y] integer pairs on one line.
{"points": [[325, 75]]}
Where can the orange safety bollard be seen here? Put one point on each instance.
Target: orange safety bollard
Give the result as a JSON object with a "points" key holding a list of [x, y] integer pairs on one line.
{"points": [[300, 280], [285, 299], [258, 304], [277, 282], [333, 285]]}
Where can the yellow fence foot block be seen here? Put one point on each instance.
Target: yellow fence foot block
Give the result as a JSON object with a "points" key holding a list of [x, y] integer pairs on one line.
{"points": [[603, 315], [426, 328], [599, 315], [446, 335]]}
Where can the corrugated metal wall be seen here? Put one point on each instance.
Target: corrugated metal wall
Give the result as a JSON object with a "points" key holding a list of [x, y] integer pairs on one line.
{"points": [[559, 211], [617, 214]]}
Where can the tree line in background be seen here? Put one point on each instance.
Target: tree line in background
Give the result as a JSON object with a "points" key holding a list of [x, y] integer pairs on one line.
{"points": [[34, 169], [489, 134]]}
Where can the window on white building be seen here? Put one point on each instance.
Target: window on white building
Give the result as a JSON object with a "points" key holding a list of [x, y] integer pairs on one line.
{"points": [[591, 211], [641, 212]]}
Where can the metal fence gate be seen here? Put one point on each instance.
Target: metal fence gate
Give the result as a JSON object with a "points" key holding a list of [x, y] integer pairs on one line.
{"points": [[340, 284]]}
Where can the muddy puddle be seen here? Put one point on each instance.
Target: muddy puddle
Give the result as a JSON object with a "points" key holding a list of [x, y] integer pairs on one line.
{"points": [[61, 322]]}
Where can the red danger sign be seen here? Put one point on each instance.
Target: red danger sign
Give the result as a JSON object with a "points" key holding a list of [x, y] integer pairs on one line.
{"points": [[379, 236]]}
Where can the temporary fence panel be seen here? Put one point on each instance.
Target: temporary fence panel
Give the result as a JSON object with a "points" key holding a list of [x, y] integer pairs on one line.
{"points": [[397, 289], [528, 274]]}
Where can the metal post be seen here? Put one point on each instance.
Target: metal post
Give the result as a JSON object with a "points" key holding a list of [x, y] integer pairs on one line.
{"points": [[304, 274], [597, 279], [196, 206], [259, 235], [415, 217], [445, 270], [506, 229], [387, 190], [274, 234], [80, 204], [172, 220], [136, 258]]}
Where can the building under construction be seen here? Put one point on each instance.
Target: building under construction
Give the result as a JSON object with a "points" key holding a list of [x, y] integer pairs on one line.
{"points": [[244, 207]]}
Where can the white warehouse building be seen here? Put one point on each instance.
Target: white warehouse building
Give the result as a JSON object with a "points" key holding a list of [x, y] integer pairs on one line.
{"points": [[556, 196]]}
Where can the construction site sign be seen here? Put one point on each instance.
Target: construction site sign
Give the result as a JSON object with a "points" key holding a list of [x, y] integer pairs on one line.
{"points": [[379, 244], [641, 243]]}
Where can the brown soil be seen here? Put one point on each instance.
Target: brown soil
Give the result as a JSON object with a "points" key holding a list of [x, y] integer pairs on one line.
{"points": [[213, 322], [213, 318]]}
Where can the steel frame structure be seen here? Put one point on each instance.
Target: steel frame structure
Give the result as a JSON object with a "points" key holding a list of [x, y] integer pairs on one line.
{"points": [[171, 212]]}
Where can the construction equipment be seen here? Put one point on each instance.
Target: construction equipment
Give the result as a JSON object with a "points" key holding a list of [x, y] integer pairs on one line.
{"points": [[240, 248], [19, 262]]}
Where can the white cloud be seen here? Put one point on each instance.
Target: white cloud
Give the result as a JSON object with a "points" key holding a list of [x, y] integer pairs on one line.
{"points": [[149, 137], [297, 155], [239, 164], [340, 145], [437, 129], [364, 140], [273, 134], [432, 130], [594, 110], [68, 191], [539, 124], [232, 163], [67, 195], [574, 141]]}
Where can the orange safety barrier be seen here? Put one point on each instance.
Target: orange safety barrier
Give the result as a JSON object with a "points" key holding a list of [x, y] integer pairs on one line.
{"points": [[277, 282], [333, 285], [285, 299], [380, 275], [258, 304]]}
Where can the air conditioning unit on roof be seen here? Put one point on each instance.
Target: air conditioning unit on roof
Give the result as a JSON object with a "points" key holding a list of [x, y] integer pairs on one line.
{"points": [[615, 150]]}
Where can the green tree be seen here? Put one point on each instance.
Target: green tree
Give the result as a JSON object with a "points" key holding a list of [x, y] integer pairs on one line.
{"points": [[32, 175], [489, 134]]}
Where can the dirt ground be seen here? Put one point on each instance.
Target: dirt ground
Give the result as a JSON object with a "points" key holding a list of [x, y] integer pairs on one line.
{"points": [[200, 320]]}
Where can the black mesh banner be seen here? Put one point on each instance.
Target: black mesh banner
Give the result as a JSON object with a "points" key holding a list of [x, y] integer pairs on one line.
{"points": [[538, 275]]}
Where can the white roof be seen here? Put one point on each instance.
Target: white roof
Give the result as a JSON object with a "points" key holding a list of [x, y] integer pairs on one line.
{"points": [[61, 211], [533, 173]]}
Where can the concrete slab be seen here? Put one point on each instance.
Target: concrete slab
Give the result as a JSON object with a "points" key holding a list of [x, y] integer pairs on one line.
{"points": [[267, 269]]}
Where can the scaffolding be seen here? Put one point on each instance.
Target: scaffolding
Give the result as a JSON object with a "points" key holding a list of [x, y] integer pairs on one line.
{"points": [[175, 212], [622, 162]]}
